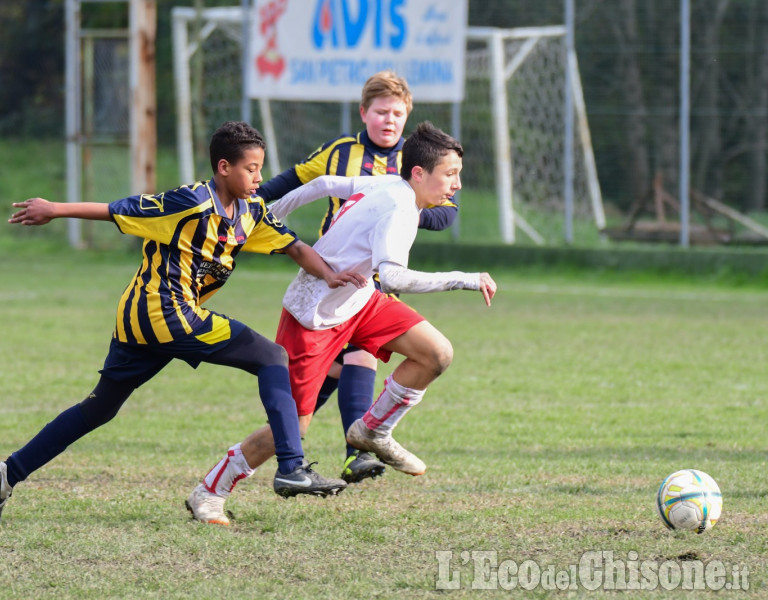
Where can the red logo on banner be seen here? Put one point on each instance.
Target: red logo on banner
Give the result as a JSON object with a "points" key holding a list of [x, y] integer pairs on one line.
{"points": [[326, 19], [270, 61]]}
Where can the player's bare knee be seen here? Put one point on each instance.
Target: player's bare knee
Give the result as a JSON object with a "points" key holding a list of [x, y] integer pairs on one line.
{"points": [[442, 356], [361, 358]]}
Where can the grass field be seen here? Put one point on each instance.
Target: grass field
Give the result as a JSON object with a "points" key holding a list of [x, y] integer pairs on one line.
{"points": [[568, 402], [108, 179]]}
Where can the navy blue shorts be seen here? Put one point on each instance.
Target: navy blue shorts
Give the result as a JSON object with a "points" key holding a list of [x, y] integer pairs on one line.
{"points": [[141, 362]]}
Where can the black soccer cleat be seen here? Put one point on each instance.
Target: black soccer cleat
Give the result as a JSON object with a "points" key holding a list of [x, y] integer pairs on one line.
{"points": [[362, 465], [303, 480]]}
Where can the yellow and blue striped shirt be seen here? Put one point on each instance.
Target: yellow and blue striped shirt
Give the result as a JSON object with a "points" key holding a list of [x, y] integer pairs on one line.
{"points": [[188, 254], [350, 156]]}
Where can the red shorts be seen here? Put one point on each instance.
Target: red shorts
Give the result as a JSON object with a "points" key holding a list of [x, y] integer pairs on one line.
{"points": [[311, 352]]}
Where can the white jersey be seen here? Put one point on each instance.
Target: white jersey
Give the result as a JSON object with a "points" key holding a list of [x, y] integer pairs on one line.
{"points": [[376, 224]]}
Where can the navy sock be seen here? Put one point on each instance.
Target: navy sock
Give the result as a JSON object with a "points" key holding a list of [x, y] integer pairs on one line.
{"points": [[356, 387], [329, 386], [52, 440], [275, 392]]}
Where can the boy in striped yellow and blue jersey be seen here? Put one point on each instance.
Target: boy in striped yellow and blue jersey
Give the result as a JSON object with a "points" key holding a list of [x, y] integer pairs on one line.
{"points": [[385, 104], [189, 252], [191, 237]]}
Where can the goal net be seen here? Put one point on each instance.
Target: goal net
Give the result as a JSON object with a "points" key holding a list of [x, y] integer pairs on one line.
{"points": [[512, 124]]}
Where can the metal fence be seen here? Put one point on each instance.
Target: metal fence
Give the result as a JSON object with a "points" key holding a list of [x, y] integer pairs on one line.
{"points": [[629, 59]]}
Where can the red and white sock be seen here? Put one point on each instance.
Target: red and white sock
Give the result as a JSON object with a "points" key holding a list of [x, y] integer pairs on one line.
{"points": [[394, 401], [222, 479]]}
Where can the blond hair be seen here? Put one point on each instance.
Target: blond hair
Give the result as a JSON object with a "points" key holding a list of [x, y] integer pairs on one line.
{"points": [[384, 84]]}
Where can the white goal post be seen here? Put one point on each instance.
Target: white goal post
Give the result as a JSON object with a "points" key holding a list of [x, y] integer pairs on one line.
{"points": [[513, 116], [505, 52]]}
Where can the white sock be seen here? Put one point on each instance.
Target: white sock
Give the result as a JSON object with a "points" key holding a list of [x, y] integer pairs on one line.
{"points": [[394, 401], [222, 479]]}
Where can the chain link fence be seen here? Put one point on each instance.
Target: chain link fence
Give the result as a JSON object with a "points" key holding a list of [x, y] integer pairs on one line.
{"points": [[628, 53]]}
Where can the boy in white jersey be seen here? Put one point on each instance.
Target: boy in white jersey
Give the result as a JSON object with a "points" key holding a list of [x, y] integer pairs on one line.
{"points": [[372, 233]]}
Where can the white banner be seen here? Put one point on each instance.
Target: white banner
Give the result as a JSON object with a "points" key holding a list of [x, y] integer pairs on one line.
{"points": [[326, 49]]}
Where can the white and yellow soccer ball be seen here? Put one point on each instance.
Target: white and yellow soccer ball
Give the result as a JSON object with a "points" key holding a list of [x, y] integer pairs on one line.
{"points": [[689, 499]]}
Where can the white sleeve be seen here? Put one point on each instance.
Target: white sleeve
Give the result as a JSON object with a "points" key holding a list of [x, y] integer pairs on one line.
{"points": [[397, 279], [320, 187]]}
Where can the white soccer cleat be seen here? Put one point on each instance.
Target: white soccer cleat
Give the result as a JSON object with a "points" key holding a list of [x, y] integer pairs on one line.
{"points": [[385, 447], [5, 489], [207, 507]]}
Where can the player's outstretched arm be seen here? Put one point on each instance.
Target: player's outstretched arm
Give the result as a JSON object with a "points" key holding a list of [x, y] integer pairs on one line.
{"points": [[398, 279], [38, 211], [308, 259], [321, 187], [437, 218]]}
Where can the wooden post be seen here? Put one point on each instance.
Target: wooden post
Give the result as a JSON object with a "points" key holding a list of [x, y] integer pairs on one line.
{"points": [[143, 25]]}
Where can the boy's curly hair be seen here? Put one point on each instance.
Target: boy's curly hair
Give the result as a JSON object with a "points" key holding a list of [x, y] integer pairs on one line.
{"points": [[231, 140]]}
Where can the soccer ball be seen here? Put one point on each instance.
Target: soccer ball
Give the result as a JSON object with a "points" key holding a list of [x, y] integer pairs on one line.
{"points": [[689, 499]]}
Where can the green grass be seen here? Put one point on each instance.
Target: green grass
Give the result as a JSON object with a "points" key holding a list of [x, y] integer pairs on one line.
{"points": [[37, 168], [567, 403], [107, 177]]}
